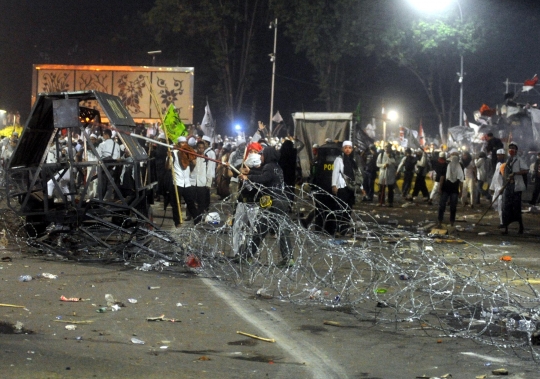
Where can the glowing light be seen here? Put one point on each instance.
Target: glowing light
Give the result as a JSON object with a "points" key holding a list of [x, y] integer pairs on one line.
{"points": [[430, 6]]}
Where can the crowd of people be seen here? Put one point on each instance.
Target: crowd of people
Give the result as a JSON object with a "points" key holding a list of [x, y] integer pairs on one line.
{"points": [[237, 169]]}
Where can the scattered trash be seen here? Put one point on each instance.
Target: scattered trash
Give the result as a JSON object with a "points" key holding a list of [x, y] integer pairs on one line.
{"points": [[500, 371], [403, 277], [133, 301], [137, 341], [115, 307], [256, 337], [178, 304], [381, 290], [157, 266], [506, 243], [46, 275], [71, 299], [332, 323], [71, 327], [74, 322], [261, 293], [7, 259], [192, 261], [161, 318], [12, 306], [481, 376], [506, 258], [483, 233], [154, 288], [164, 347], [204, 358], [25, 278], [336, 300], [101, 310]]}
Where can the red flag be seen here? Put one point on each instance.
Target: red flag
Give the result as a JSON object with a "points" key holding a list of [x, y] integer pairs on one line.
{"points": [[530, 83], [421, 138]]}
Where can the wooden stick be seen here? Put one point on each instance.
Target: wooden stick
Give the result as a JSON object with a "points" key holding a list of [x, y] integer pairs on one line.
{"points": [[256, 337], [12, 306], [75, 322], [333, 323]]}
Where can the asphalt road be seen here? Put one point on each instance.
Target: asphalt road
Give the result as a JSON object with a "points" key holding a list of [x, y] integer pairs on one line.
{"points": [[203, 342]]}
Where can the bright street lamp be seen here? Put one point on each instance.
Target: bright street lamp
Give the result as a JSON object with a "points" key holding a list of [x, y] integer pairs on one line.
{"points": [[390, 116], [435, 6]]}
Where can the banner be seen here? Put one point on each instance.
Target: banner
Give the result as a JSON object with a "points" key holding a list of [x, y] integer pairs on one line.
{"points": [[174, 127]]}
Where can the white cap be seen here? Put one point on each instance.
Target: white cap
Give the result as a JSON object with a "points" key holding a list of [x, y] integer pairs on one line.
{"points": [[206, 138], [442, 154], [192, 141], [240, 140], [513, 143], [93, 135], [181, 139], [501, 151], [347, 143], [161, 136]]}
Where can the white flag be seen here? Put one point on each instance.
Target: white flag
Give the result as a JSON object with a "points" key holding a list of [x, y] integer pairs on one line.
{"points": [[277, 118], [207, 124]]}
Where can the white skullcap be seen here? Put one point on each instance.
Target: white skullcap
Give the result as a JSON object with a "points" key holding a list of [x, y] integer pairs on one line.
{"points": [[347, 143], [513, 143], [206, 138], [161, 136], [192, 141], [240, 140], [253, 160], [315, 146], [181, 139], [442, 154], [93, 135], [501, 151]]}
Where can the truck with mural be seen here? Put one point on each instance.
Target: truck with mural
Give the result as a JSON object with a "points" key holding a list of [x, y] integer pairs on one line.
{"points": [[144, 91]]}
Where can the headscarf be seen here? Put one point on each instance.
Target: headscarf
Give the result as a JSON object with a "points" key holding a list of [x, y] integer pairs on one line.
{"points": [[270, 155], [454, 171]]}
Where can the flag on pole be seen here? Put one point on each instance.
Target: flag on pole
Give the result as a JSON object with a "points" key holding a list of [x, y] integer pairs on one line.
{"points": [[174, 127], [277, 118], [207, 124], [530, 83], [421, 138]]}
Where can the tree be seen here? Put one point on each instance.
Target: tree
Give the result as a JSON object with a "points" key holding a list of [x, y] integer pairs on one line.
{"points": [[429, 48], [327, 33], [222, 32]]}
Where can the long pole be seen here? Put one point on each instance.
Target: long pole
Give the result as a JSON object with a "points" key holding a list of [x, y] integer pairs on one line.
{"points": [[461, 94], [460, 74], [273, 75]]}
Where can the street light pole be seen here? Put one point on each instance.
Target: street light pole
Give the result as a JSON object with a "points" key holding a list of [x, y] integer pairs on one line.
{"points": [[460, 73], [273, 25]]}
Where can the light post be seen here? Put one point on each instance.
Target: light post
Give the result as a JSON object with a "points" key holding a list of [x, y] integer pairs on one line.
{"points": [[431, 6], [153, 54], [273, 25], [390, 116]]}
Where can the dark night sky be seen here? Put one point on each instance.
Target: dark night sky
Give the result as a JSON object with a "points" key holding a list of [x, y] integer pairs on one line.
{"points": [[77, 32]]}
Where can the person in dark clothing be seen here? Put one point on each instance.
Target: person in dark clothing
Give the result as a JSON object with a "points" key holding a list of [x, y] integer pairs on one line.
{"points": [[287, 162], [370, 172], [345, 168], [449, 188], [421, 172], [439, 166], [513, 172], [160, 157], [274, 205], [407, 164]]}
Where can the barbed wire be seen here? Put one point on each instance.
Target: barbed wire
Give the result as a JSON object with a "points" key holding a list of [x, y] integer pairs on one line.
{"points": [[393, 276]]}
